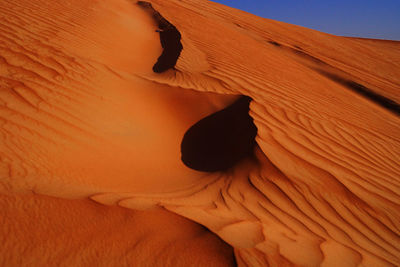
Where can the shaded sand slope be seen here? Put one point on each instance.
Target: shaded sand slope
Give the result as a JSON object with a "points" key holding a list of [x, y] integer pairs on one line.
{"points": [[84, 116], [44, 231]]}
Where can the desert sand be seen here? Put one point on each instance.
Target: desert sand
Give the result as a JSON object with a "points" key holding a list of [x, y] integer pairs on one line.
{"points": [[91, 130]]}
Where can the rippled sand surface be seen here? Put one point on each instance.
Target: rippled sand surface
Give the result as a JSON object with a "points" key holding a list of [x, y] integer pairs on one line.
{"points": [[96, 98]]}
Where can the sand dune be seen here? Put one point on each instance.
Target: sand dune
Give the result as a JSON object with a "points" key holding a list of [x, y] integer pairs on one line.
{"points": [[96, 98]]}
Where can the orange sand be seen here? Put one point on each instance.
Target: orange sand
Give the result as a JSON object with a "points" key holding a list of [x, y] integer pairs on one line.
{"points": [[83, 118]]}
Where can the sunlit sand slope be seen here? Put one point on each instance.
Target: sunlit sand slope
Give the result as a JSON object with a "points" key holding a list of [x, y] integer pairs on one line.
{"points": [[84, 116], [328, 122]]}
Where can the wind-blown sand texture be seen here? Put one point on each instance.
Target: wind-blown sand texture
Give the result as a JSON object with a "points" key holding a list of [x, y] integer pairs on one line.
{"points": [[87, 124]]}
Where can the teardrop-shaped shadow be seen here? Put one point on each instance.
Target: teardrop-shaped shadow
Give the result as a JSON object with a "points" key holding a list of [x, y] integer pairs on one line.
{"points": [[220, 140]]}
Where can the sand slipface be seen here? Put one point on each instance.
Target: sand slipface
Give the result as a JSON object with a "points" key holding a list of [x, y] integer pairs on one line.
{"points": [[85, 116]]}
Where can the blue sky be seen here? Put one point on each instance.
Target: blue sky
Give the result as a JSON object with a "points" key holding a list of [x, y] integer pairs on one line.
{"points": [[361, 18]]}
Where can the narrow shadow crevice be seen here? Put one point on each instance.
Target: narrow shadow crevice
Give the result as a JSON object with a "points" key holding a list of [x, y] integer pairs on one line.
{"points": [[170, 39], [300, 52], [303, 54], [275, 43], [220, 140], [384, 102]]}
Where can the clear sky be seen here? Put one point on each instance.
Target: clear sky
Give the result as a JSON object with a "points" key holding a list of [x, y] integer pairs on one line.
{"points": [[361, 18]]}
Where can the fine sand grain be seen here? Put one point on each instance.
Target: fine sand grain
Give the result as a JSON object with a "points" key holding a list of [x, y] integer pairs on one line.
{"points": [[103, 106]]}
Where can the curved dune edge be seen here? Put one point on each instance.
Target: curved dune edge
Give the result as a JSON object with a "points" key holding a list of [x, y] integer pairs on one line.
{"points": [[324, 187]]}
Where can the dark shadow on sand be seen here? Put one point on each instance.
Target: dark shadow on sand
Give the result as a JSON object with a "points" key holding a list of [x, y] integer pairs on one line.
{"points": [[220, 140], [170, 39], [384, 102], [303, 54], [275, 43]]}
